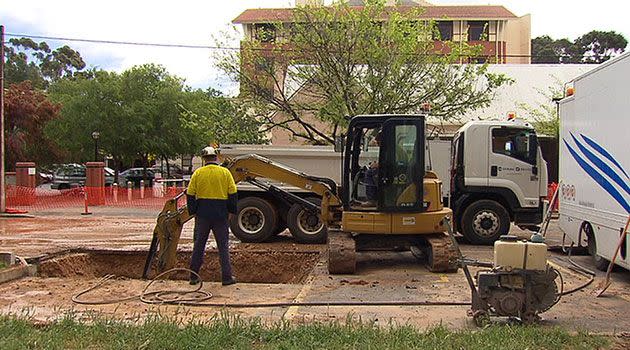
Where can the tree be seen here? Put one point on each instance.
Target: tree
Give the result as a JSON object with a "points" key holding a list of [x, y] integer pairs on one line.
{"points": [[600, 46], [94, 105], [213, 118], [44, 65], [593, 47], [27, 111], [141, 113], [338, 61], [544, 116]]}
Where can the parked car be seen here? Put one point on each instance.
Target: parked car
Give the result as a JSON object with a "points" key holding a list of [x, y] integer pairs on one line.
{"points": [[176, 171], [72, 175], [135, 175]]}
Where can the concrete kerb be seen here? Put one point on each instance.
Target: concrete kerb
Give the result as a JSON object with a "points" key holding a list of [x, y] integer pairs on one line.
{"points": [[17, 272]]}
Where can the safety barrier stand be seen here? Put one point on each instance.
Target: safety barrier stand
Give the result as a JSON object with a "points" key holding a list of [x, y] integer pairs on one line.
{"points": [[115, 192], [86, 212]]}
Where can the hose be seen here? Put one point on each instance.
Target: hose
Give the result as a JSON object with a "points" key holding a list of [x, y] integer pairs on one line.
{"points": [[197, 297], [579, 269]]}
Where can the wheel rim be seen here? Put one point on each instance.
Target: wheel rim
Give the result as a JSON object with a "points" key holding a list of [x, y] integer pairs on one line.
{"points": [[309, 222], [251, 220], [486, 223]]}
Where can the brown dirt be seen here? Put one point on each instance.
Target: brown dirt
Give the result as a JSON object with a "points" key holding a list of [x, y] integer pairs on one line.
{"points": [[249, 266]]}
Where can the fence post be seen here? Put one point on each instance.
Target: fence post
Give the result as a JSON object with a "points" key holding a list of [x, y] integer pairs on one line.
{"points": [[115, 192], [141, 189], [95, 182], [129, 190], [25, 183]]}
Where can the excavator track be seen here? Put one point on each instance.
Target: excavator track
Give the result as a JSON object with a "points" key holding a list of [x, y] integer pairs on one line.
{"points": [[442, 254], [341, 253]]}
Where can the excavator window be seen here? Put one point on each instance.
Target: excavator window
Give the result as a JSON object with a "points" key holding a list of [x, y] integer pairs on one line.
{"points": [[401, 169]]}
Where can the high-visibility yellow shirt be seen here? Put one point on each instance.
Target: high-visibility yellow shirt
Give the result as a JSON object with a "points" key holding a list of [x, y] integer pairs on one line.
{"points": [[211, 181]]}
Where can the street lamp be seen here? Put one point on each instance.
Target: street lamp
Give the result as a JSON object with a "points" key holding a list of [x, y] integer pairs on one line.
{"points": [[95, 136]]}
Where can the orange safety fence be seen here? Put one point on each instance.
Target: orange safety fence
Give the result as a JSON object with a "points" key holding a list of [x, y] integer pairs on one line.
{"points": [[41, 199]]}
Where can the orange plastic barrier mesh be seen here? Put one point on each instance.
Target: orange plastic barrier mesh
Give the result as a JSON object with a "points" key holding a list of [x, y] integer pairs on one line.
{"points": [[39, 199]]}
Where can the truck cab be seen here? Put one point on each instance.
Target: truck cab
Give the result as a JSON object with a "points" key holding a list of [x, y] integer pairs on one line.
{"points": [[498, 176]]}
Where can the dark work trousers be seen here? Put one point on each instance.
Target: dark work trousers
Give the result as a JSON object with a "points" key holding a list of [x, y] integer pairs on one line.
{"points": [[219, 227]]}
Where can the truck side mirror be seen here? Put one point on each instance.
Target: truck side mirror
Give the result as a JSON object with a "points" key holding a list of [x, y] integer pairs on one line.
{"points": [[339, 144]]}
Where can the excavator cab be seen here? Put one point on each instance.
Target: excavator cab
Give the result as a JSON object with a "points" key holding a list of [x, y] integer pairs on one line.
{"points": [[405, 209]]}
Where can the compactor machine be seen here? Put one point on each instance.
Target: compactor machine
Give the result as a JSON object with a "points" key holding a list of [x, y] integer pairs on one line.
{"points": [[398, 206]]}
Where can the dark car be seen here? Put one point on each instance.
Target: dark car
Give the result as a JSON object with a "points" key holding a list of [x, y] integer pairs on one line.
{"points": [[72, 175], [135, 175], [174, 171]]}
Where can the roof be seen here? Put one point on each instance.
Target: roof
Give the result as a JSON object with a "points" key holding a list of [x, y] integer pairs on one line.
{"points": [[431, 12]]}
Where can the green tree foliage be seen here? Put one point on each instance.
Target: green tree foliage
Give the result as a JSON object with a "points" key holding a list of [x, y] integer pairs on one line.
{"points": [[336, 61], [38, 63], [593, 47], [27, 111], [213, 118], [544, 115], [141, 113], [94, 105]]}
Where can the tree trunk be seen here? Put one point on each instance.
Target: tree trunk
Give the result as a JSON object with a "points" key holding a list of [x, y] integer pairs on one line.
{"points": [[168, 168], [116, 168]]}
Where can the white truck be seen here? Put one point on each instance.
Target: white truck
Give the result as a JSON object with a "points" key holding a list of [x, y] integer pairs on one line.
{"points": [[494, 175], [595, 162]]}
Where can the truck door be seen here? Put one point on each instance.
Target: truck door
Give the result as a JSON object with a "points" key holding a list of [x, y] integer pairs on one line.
{"points": [[512, 159]]}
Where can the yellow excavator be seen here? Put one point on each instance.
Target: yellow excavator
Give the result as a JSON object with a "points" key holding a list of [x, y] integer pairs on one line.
{"points": [[398, 206]]}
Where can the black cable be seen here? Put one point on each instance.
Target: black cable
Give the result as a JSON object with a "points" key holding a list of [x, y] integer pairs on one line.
{"points": [[230, 48], [196, 297]]}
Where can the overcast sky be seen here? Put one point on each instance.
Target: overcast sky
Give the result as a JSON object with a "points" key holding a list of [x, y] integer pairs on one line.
{"points": [[195, 22]]}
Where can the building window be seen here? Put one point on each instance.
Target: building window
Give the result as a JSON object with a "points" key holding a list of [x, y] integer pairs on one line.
{"points": [[478, 30], [444, 31], [265, 32]]}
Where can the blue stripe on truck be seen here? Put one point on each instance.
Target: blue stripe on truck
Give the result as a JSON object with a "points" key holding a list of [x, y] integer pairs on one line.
{"points": [[602, 166], [601, 180], [603, 152]]}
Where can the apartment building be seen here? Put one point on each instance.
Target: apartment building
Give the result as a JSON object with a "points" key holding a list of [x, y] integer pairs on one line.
{"points": [[505, 37]]}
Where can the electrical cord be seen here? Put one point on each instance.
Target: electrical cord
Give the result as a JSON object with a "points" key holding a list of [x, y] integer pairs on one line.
{"points": [[198, 297]]}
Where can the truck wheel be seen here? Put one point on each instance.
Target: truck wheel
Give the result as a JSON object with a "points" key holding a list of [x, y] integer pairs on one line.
{"points": [[484, 221], [600, 263], [255, 220], [306, 226]]}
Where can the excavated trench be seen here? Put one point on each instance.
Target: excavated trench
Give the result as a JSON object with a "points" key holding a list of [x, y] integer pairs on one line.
{"points": [[290, 267]]}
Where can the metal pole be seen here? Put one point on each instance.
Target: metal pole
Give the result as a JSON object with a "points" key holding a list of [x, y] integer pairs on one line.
{"points": [[3, 203], [96, 150]]}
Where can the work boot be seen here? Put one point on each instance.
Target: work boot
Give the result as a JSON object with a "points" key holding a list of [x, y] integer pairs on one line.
{"points": [[228, 282], [194, 280]]}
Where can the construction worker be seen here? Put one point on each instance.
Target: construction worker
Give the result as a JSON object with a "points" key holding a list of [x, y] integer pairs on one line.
{"points": [[211, 195]]}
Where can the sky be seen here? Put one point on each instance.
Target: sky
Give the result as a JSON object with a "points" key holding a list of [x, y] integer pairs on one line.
{"points": [[195, 22]]}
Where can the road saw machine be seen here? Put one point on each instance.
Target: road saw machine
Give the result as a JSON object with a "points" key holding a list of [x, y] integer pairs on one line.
{"points": [[387, 200]]}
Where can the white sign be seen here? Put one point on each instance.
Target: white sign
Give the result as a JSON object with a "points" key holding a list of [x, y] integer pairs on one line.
{"points": [[31, 171]]}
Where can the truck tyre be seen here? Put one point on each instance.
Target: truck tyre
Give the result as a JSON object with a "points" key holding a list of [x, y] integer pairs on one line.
{"points": [[255, 220], [306, 226], [600, 263], [484, 221]]}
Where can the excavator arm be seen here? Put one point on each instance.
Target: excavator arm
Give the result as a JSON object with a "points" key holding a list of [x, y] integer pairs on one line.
{"points": [[248, 168]]}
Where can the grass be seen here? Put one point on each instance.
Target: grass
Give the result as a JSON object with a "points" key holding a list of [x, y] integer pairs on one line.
{"points": [[3, 265], [236, 333]]}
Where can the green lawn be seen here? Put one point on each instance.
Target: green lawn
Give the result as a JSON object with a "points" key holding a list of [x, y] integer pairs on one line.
{"points": [[230, 332], [3, 265]]}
